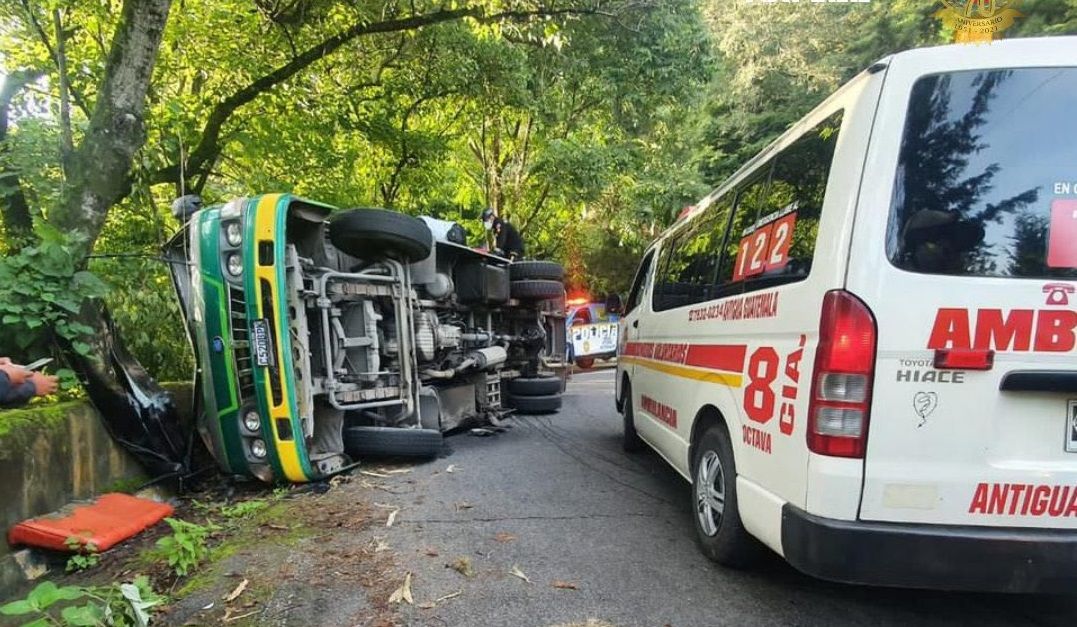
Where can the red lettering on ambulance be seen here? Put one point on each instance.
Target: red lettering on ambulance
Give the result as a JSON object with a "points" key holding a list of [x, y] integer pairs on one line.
{"points": [[1044, 330], [951, 329], [1054, 330], [1005, 499], [1012, 333], [979, 500]]}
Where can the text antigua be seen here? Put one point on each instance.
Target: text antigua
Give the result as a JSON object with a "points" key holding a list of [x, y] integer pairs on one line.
{"points": [[1024, 499]]}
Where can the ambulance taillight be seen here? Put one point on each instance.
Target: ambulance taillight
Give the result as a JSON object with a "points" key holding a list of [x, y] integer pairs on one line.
{"points": [[842, 378]]}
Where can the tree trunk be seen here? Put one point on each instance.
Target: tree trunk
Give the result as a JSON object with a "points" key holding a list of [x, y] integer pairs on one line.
{"points": [[16, 211], [101, 163]]}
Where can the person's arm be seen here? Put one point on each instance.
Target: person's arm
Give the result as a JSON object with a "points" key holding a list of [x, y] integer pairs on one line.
{"points": [[14, 395]]}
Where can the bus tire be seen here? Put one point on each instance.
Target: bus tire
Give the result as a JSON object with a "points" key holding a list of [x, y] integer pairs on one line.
{"points": [[548, 270], [534, 386], [585, 363], [363, 442], [537, 289], [545, 404], [377, 233], [719, 530]]}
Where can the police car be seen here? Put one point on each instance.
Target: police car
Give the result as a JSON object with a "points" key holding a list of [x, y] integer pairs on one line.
{"points": [[592, 332], [860, 348]]}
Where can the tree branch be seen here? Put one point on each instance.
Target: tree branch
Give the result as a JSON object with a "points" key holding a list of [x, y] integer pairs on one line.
{"points": [[67, 144], [80, 102], [204, 154]]}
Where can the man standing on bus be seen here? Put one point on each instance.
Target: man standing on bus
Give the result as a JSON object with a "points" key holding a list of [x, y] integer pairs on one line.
{"points": [[507, 240]]}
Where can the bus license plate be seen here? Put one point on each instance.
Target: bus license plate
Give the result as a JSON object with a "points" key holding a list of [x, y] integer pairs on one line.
{"points": [[262, 343]]}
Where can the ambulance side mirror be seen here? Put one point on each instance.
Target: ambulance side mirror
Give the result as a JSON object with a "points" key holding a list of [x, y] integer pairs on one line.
{"points": [[614, 304]]}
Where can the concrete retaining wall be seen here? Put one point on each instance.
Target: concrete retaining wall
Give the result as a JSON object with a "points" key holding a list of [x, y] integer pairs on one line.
{"points": [[52, 455]]}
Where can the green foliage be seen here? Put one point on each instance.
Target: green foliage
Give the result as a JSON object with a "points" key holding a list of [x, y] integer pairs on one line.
{"points": [[117, 604], [41, 292], [243, 509], [187, 546], [85, 557]]}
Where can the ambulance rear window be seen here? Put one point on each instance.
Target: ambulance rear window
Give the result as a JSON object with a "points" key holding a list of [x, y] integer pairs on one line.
{"points": [[987, 176]]}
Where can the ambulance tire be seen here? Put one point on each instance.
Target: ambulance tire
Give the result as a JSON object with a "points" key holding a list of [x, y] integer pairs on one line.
{"points": [[731, 545], [631, 443]]}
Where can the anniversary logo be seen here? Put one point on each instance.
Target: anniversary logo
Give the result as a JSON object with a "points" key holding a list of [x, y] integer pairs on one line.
{"points": [[978, 20]]}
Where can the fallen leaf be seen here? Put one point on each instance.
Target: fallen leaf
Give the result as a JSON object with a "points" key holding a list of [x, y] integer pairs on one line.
{"points": [[451, 595], [431, 552], [403, 593], [564, 585], [370, 473], [463, 505], [392, 518], [504, 536], [235, 618], [277, 527], [451, 468], [380, 545], [463, 566], [429, 605], [208, 607], [519, 573], [238, 591]]}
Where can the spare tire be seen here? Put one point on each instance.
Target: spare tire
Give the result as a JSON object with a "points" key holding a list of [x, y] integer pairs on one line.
{"points": [[539, 289], [377, 233], [534, 386], [522, 270], [361, 442], [545, 404]]}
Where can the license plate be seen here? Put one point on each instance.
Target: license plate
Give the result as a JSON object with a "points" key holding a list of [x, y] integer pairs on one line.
{"points": [[262, 343], [1071, 426]]}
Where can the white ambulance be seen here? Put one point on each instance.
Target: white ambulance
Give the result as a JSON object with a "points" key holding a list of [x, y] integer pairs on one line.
{"points": [[860, 348]]}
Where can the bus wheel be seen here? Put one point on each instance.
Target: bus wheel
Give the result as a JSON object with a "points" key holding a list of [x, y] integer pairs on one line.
{"points": [[714, 494], [585, 362]]}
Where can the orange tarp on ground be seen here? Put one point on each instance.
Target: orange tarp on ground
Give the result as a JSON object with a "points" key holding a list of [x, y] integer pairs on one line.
{"points": [[110, 519]]}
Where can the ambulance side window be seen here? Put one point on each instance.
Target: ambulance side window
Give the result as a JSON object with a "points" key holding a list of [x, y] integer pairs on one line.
{"points": [[749, 199], [776, 223], [664, 290], [688, 276], [635, 296]]}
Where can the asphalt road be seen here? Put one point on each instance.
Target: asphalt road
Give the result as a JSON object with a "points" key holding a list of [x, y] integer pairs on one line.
{"points": [[571, 507]]}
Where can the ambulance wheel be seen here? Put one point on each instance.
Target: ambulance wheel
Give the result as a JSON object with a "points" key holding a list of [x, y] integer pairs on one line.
{"points": [[585, 363], [719, 529], [631, 442]]}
